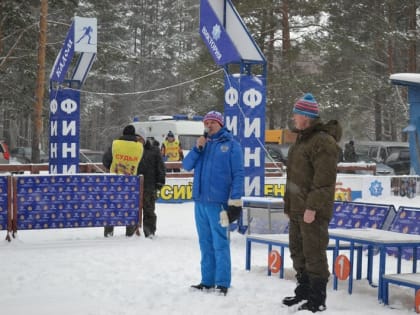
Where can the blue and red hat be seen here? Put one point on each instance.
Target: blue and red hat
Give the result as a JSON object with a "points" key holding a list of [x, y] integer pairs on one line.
{"points": [[307, 106], [216, 116]]}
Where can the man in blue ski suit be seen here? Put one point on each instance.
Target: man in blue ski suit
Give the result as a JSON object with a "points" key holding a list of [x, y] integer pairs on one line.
{"points": [[218, 186]]}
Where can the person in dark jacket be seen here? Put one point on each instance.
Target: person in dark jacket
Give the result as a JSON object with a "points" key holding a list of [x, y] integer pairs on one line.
{"points": [[123, 157], [153, 170], [349, 152], [309, 200], [218, 186]]}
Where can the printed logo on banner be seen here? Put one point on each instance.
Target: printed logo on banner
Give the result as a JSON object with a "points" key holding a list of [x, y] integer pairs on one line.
{"points": [[216, 32], [85, 34], [376, 188]]}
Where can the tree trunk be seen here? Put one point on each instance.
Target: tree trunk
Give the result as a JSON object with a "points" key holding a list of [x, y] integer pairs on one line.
{"points": [[39, 93], [412, 33]]}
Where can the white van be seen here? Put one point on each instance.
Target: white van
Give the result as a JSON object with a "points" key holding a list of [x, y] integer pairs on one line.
{"points": [[185, 128], [379, 151]]}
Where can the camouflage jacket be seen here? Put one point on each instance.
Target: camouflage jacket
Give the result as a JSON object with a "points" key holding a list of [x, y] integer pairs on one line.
{"points": [[312, 169]]}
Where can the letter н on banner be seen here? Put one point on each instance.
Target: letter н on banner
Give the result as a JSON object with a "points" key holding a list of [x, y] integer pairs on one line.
{"points": [[215, 36]]}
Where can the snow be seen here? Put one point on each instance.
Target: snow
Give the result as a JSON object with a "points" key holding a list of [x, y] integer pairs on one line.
{"points": [[78, 271]]}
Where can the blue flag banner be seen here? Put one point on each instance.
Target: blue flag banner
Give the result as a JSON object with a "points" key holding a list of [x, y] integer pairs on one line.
{"points": [[348, 215], [3, 202], [64, 131], [72, 201], [215, 36], [63, 60], [406, 221], [226, 35], [245, 117]]}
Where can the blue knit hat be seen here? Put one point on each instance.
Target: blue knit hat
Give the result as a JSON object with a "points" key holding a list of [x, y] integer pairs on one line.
{"points": [[307, 106]]}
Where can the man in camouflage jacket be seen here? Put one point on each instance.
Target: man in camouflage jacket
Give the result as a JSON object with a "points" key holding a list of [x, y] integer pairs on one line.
{"points": [[309, 200]]}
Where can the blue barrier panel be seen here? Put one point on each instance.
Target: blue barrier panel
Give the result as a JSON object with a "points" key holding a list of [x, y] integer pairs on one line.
{"points": [[3, 202], [362, 215], [346, 215], [406, 221], [71, 201]]}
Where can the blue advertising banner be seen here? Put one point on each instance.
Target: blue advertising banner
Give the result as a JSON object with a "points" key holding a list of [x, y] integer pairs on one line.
{"points": [[3, 202], [215, 36], [64, 131], [71, 201], [63, 60], [349, 215], [406, 221], [245, 117]]}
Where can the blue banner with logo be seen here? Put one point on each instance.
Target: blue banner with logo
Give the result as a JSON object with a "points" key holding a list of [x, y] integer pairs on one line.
{"points": [[72, 201], [348, 215], [406, 221], [215, 36], [245, 117], [4, 192], [64, 131]]}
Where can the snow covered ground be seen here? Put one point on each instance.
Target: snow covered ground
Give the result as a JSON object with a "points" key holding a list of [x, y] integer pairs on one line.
{"points": [[78, 271]]}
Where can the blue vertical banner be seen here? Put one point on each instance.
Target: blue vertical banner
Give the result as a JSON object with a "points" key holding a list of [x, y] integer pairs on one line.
{"points": [[245, 99], [414, 127], [412, 82], [64, 131], [65, 102]]}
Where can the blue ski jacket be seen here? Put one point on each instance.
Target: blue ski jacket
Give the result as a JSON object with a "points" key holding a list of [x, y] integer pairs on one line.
{"points": [[218, 169]]}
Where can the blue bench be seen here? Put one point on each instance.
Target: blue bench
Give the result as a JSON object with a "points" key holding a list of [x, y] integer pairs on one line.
{"points": [[282, 241], [411, 280]]}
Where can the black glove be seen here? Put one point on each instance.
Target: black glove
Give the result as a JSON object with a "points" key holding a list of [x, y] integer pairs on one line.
{"points": [[234, 213]]}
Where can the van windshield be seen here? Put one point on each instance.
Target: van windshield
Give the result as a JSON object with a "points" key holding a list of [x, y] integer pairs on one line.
{"points": [[187, 141]]}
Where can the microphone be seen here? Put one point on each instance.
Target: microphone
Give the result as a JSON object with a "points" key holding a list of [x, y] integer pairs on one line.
{"points": [[205, 134]]}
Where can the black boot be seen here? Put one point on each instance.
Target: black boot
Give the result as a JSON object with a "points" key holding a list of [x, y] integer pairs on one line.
{"points": [[301, 292], [130, 230], [108, 231], [317, 296], [202, 287]]}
